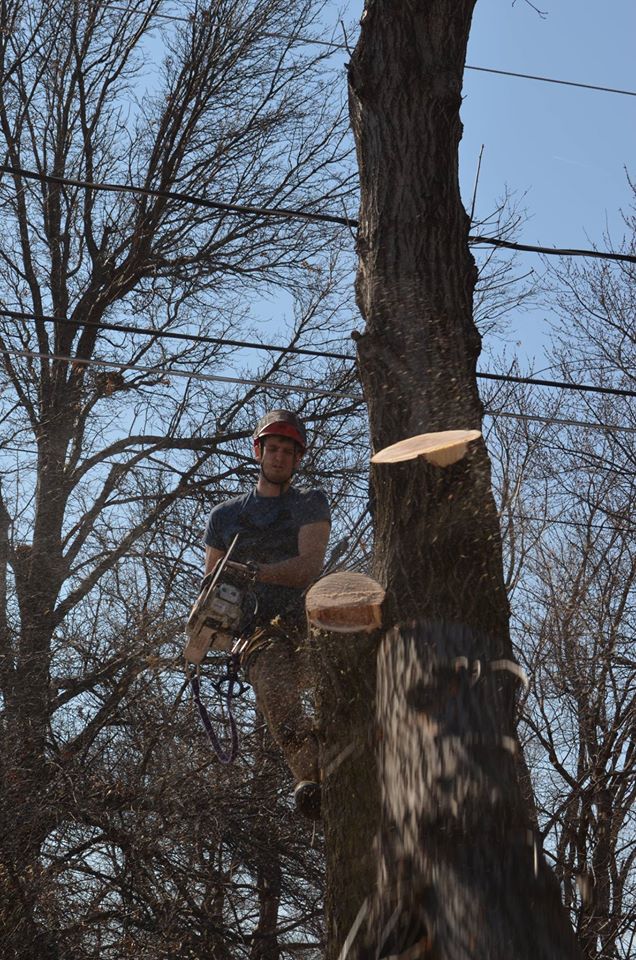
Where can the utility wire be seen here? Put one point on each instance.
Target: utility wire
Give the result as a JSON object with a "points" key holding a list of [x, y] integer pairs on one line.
{"points": [[557, 421], [311, 41], [559, 384], [303, 351], [504, 517], [314, 391], [553, 251], [565, 523], [565, 83], [295, 214], [188, 375], [172, 335], [240, 208]]}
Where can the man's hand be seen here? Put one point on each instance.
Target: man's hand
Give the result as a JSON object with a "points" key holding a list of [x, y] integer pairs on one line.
{"points": [[247, 570]]}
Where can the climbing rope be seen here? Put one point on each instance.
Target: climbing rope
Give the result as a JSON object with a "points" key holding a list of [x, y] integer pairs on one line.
{"points": [[231, 678]]}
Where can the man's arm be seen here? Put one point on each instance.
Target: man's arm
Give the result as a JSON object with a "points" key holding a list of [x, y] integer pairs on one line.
{"points": [[212, 557], [302, 570], [298, 571]]}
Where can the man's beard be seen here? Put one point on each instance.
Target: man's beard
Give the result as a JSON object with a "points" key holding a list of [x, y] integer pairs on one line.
{"points": [[277, 483]]}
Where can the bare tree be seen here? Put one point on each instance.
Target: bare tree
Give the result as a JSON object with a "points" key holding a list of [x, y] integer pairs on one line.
{"points": [[109, 441], [458, 873], [503, 286], [580, 718], [565, 487], [574, 611], [572, 606]]}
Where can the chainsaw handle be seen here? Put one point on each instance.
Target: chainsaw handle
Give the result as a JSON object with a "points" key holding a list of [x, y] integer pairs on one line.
{"points": [[206, 580]]}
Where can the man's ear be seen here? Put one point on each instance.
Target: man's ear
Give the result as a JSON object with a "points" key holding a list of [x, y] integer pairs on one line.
{"points": [[259, 446]]}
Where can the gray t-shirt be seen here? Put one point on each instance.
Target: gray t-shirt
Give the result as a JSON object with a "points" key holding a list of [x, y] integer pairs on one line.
{"points": [[268, 528]]}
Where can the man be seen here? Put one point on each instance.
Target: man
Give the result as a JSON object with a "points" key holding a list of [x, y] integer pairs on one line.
{"points": [[283, 532]]}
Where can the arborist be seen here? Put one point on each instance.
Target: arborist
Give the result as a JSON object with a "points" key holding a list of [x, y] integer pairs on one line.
{"points": [[283, 532]]}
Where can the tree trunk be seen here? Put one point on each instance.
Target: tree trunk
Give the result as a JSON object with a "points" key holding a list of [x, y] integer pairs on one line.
{"points": [[27, 816], [265, 944], [460, 873], [344, 667], [456, 873]]}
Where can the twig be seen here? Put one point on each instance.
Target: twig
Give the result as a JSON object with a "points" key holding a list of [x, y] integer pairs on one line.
{"points": [[472, 208], [346, 39], [542, 13]]}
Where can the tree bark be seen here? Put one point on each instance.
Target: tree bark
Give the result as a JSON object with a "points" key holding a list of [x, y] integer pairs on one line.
{"points": [[456, 875], [265, 945], [344, 668], [460, 871]]}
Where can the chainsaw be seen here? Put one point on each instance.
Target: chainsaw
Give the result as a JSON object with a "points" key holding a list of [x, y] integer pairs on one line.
{"points": [[224, 605]]}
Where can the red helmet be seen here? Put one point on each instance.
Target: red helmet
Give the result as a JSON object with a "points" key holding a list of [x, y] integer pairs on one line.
{"points": [[282, 423]]}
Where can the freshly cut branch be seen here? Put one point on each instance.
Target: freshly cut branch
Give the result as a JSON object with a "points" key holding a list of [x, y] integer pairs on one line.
{"points": [[441, 449], [345, 603]]}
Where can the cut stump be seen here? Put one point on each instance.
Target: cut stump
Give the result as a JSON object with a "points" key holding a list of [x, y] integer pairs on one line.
{"points": [[345, 603], [441, 449]]}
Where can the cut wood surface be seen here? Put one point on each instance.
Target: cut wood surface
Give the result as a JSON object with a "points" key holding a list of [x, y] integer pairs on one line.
{"points": [[345, 603], [441, 449]]}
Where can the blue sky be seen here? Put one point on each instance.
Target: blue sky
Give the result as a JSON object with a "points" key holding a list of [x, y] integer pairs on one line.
{"points": [[561, 150], [565, 146]]}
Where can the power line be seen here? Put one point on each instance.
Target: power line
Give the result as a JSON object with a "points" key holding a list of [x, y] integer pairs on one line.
{"points": [[504, 517], [188, 375], [240, 208], [554, 251], [303, 351], [565, 523], [565, 83], [312, 41], [559, 384], [314, 391], [295, 214], [586, 424], [173, 335], [170, 335]]}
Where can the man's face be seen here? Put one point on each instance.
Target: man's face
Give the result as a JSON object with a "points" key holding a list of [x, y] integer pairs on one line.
{"points": [[279, 457]]}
